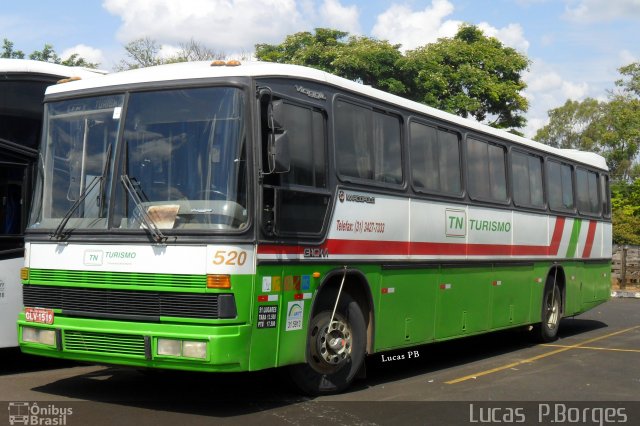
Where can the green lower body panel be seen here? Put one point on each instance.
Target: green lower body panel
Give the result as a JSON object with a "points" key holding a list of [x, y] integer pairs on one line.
{"points": [[223, 348]]}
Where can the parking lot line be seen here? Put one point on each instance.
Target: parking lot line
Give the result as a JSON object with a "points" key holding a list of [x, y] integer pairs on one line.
{"points": [[595, 348], [537, 357]]}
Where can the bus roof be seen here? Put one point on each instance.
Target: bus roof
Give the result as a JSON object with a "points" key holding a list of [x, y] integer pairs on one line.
{"points": [[27, 66], [201, 70]]}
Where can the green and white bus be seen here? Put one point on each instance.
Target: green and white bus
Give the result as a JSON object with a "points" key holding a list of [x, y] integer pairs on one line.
{"points": [[232, 217]]}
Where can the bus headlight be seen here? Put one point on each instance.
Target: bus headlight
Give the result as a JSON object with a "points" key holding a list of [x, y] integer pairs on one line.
{"points": [[182, 348], [169, 347], [194, 349], [39, 335]]}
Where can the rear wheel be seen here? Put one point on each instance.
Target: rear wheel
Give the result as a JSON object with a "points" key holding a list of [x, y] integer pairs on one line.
{"points": [[335, 351], [547, 330]]}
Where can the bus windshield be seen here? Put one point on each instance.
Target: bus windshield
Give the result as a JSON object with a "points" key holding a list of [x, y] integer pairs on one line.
{"points": [[181, 153]]}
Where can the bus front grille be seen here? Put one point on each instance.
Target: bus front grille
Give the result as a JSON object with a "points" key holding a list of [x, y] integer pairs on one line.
{"points": [[104, 343], [70, 277], [129, 305]]}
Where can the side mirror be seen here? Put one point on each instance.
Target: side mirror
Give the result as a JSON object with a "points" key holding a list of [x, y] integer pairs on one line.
{"points": [[276, 115], [278, 144], [279, 160]]}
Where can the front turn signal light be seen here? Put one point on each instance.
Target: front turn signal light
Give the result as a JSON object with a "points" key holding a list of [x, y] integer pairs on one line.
{"points": [[24, 274], [219, 281]]}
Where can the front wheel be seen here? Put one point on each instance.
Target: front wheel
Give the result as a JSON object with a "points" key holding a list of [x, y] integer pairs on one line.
{"points": [[335, 351]]}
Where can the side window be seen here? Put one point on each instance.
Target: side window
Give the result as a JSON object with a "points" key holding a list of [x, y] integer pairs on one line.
{"points": [[435, 160], [296, 202], [368, 144], [486, 171], [306, 130], [605, 195], [560, 186], [526, 170], [587, 192]]}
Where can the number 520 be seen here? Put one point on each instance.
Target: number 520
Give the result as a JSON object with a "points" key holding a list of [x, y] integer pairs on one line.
{"points": [[230, 257]]}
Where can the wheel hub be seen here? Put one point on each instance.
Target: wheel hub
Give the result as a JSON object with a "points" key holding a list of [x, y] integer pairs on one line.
{"points": [[334, 342]]}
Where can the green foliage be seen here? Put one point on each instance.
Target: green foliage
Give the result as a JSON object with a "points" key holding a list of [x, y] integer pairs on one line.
{"points": [[469, 75], [632, 84], [610, 128], [47, 54], [625, 203], [569, 125], [8, 52]]}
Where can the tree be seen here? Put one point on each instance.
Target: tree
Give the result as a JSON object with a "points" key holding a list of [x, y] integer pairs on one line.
{"points": [[317, 50], [47, 54], [469, 75], [142, 52], [8, 51], [195, 51], [632, 85], [625, 204], [146, 52], [610, 128], [569, 124]]}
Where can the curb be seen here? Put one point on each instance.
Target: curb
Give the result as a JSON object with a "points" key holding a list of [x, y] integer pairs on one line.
{"points": [[624, 293]]}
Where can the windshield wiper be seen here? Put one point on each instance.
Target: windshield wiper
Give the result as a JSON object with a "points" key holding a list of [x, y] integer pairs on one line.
{"points": [[148, 221], [57, 234]]}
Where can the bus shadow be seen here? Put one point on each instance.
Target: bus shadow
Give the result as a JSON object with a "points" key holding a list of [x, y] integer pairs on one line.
{"points": [[434, 357], [15, 362], [207, 394], [235, 394]]}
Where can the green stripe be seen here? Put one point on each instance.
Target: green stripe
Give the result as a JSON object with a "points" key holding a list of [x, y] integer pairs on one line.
{"points": [[573, 241]]}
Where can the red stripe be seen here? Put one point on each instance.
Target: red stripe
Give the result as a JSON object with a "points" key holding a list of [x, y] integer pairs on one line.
{"points": [[558, 229], [591, 234], [403, 248]]}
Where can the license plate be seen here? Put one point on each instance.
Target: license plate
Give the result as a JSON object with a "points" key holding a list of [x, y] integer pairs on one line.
{"points": [[41, 315]]}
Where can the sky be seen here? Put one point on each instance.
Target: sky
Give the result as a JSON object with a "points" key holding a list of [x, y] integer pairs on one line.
{"points": [[575, 46]]}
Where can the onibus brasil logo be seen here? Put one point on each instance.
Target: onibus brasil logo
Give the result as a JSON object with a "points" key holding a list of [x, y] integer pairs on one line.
{"points": [[30, 413]]}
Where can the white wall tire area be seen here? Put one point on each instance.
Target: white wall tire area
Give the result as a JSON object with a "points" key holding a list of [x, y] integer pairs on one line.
{"points": [[335, 352]]}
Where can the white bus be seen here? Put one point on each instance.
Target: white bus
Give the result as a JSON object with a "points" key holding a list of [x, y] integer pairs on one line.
{"points": [[22, 87]]}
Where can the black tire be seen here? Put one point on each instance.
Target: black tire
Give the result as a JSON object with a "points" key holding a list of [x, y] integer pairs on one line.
{"points": [[332, 364], [551, 313]]}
